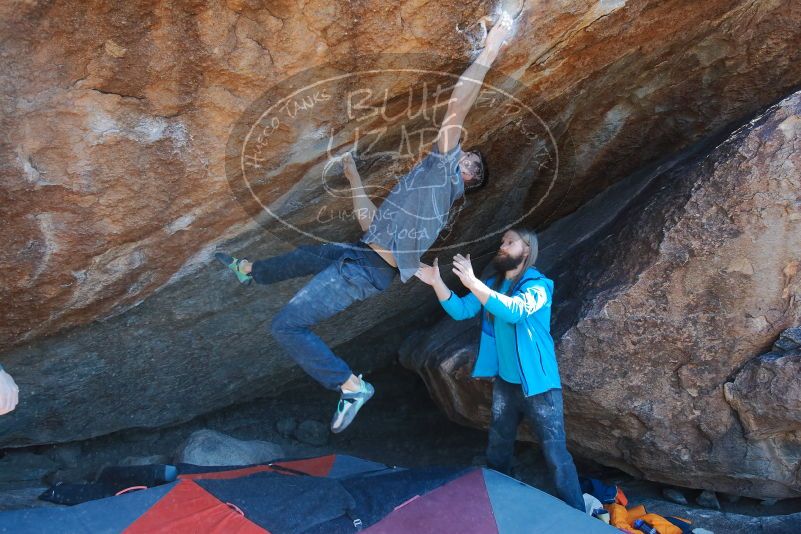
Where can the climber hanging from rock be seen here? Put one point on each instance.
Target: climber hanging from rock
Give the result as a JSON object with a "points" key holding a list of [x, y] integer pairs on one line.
{"points": [[396, 235]]}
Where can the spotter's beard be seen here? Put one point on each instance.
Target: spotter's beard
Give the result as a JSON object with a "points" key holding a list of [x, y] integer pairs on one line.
{"points": [[503, 262]]}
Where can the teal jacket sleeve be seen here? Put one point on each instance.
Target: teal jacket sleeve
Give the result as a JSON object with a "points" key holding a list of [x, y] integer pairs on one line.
{"points": [[524, 302], [461, 307]]}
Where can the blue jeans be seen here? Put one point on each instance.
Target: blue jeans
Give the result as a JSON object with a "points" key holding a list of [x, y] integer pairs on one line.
{"points": [[545, 411], [345, 273]]}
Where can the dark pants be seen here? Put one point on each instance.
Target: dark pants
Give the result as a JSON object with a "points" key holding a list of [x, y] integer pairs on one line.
{"points": [[545, 411], [345, 273]]}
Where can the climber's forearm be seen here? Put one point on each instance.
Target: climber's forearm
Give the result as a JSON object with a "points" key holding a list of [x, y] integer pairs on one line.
{"points": [[469, 85], [363, 207], [463, 97]]}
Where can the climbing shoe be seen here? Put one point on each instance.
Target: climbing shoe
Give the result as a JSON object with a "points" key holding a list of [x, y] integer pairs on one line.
{"points": [[350, 402], [234, 264]]}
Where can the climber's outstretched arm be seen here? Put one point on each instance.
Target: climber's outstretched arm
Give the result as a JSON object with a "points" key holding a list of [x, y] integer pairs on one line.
{"points": [[469, 85], [363, 207]]}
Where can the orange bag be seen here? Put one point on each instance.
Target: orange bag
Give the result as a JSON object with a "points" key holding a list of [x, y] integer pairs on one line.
{"points": [[662, 525]]}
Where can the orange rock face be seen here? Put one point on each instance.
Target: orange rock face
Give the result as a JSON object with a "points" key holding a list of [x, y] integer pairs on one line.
{"points": [[113, 180]]}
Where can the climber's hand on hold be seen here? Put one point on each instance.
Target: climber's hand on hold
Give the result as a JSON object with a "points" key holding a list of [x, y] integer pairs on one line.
{"points": [[500, 32]]}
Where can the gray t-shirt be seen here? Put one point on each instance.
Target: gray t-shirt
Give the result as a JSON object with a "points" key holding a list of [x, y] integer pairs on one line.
{"points": [[416, 210]]}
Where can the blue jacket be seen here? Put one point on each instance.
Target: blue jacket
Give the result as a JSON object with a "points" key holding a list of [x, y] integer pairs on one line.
{"points": [[528, 307]]}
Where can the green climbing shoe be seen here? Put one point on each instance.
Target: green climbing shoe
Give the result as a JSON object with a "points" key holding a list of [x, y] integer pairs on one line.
{"points": [[233, 264]]}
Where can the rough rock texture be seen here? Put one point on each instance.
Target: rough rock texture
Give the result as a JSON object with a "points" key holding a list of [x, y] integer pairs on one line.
{"points": [[145, 460], [662, 308], [113, 189], [207, 447], [24, 470], [313, 433], [766, 393]]}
